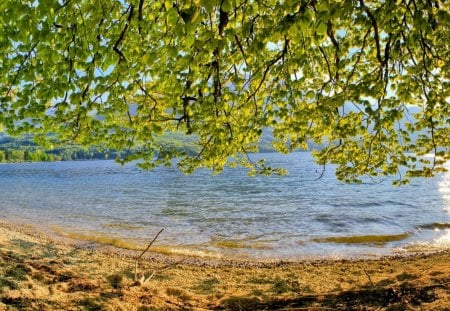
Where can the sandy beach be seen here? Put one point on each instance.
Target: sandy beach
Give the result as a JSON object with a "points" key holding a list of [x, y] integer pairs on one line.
{"points": [[41, 272]]}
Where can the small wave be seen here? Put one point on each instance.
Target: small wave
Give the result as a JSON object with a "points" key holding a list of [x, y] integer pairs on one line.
{"points": [[123, 226], [184, 251], [100, 239], [363, 239], [234, 244], [444, 240], [371, 203], [438, 244], [434, 226]]}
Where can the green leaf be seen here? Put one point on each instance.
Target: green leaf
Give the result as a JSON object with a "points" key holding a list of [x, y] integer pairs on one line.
{"points": [[310, 94], [321, 28], [226, 6], [172, 16]]}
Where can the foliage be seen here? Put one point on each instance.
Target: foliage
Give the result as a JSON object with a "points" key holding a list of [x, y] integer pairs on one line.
{"points": [[342, 73]]}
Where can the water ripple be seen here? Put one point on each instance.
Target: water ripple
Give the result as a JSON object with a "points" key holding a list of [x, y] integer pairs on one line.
{"points": [[288, 216]]}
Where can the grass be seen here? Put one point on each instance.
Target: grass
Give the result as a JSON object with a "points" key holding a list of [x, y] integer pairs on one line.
{"points": [[7, 283], [18, 272], [260, 280], [178, 293], [207, 286], [405, 276], [281, 286], [116, 280]]}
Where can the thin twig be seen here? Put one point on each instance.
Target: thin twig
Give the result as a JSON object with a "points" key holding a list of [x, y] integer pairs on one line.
{"points": [[368, 276], [150, 244], [136, 263]]}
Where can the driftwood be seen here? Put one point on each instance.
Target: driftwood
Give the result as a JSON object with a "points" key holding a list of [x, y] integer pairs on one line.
{"points": [[139, 278]]}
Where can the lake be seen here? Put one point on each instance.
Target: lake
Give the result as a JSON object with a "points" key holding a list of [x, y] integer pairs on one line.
{"points": [[296, 216]]}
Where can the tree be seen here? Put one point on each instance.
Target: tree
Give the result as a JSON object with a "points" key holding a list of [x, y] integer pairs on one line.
{"points": [[367, 80]]}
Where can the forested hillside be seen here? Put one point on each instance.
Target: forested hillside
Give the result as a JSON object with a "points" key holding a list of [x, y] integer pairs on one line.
{"points": [[24, 149]]}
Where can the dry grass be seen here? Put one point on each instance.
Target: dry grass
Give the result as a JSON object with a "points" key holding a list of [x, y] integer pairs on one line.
{"points": [[37, 273]]}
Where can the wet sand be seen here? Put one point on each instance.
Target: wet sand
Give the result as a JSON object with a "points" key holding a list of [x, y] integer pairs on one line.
{"points": [[43, 272]]}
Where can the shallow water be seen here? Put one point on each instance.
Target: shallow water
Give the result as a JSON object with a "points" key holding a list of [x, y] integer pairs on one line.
{"points": [[293, 216]]}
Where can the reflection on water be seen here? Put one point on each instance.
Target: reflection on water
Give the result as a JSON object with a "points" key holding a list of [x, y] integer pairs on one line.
{"points": [[444, 239], [230, 214], [444, 189]]}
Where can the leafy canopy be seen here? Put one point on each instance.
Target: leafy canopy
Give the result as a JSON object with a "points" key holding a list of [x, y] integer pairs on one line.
{"points": [[367, 80]]}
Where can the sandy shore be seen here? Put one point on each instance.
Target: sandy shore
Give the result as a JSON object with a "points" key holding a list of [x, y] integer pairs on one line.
{"points": [[39, 272]]}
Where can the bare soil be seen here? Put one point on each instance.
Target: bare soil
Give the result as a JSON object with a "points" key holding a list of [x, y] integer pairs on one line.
{"points": [[39, 272]]}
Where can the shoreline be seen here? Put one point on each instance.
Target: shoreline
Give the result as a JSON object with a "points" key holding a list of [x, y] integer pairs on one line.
{"points": [[39, 272], [46, 234]]}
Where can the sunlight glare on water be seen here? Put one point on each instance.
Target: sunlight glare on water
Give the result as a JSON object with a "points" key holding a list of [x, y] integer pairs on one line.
{"points": [[444, 189]]}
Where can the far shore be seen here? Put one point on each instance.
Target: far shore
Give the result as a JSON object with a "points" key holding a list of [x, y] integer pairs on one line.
{"points": [[40, 272]]}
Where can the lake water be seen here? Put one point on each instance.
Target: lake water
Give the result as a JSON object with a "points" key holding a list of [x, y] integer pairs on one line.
{"points": [[288, 217]]}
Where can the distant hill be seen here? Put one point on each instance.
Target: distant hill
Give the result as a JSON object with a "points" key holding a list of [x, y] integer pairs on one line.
{"points": [[25, 149]]}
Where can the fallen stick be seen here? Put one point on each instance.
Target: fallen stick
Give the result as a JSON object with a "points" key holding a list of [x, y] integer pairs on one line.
{"points": [[142, 280]]}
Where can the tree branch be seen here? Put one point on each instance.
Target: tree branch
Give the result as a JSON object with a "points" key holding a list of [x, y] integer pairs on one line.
{"points": [[375, 29], [269, 66], [122, 35], [330, 34], [141, 5], [27, 56], [326, 61]]}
